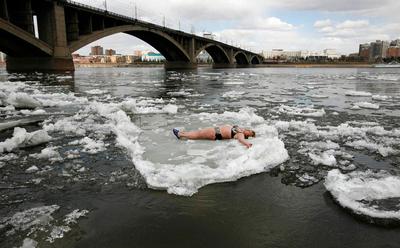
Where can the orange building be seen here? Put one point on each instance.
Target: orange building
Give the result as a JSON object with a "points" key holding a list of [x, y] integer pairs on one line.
{"points": [[393, 52]]}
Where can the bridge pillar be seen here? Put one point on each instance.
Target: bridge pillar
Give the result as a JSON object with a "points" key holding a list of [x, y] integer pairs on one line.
{"points": [[72, 26], [224, 66], [23, 16], [179, 65], [60, 60], [3, 10]]}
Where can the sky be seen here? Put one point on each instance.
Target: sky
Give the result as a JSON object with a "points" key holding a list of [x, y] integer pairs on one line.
{"points": [[262, 25]]}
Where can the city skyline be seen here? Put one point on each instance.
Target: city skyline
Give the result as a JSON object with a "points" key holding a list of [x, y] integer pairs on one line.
{"points": [[266, 25]]}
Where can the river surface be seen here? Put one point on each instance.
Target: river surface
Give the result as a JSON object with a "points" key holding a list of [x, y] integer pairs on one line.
{"points": [[89, 159]]}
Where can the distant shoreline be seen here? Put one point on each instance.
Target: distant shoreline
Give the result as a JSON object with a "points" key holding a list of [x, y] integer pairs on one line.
{"points": [[350, 65], [98, 65]]}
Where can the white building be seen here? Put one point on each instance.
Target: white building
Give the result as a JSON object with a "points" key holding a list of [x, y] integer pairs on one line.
{"points": [[304, 54], [204, 57], [152, 57], [331, 54], [275, 53]]}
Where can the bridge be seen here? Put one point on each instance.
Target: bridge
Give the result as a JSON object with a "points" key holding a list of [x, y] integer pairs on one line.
{"points": [[65, 26]]}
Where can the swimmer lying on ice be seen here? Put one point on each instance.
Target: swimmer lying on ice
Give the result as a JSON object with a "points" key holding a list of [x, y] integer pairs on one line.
{"points": [[218, 133]]}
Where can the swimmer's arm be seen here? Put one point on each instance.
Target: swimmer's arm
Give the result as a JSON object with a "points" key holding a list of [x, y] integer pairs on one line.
{"points": [[241, 139]]}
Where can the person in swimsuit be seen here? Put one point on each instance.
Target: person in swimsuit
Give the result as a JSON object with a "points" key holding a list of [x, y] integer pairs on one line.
{"points": [[218, 133]]}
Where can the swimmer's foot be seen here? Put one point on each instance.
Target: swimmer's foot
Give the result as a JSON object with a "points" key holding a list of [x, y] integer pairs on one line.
{"points": [[176, 133]]}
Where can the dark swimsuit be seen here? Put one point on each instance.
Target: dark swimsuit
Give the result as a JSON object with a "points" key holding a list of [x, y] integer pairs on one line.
{"points": [[234, 131], [218, 135]]}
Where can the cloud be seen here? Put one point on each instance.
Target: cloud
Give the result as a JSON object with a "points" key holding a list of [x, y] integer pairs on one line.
{"points": [[334, 6], [267, 23], [323, 23], [353, 24]]}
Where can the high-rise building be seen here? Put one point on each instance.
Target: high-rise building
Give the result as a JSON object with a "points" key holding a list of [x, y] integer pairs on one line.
{"points": [[378, 50], [97, 51], [395, 43], [363, 51], [110, 52]]}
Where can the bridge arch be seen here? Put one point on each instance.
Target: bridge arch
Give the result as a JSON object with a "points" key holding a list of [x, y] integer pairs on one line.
{"points": [[217, 53], [241, 58], [17, 42], [161, 41], [255, 60]]}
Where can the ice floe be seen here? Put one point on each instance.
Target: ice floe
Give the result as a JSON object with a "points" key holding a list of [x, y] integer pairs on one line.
{"points": [[148, 107], [40, 220], [21, 138], [22, 100], [366, 193], [221, 164], [233, 94], [49, 153], [301, 111], [358, 93], [381, 98], [366, 105], [29, 243], [31, 219]]}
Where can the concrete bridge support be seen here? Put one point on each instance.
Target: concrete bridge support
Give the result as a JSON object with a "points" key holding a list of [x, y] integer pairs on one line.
{"points": [[53, 31]]}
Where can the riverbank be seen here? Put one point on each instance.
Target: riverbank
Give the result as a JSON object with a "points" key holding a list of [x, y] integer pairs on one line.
{"points": [[144, 65], [350, 65], [157, 65]]}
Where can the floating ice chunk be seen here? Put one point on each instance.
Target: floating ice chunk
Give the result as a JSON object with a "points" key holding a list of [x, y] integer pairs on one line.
{"points": [[49, 153], [22, 100], [276, 100], [326, 158], [233, 83], [170, 109], [92, 146], [35, 112], [179, 93], [361, 192], [21, 138], [308, 112], [233, 94], [367, 105], [355, 107], [381, 98], [29, 243], [72, 217], [245, 115], [57, 233], [148, 107], [374, 147], [187, 178], [307, 180], [358, 93], [30, 219], [32, 169], [319, 96], [96, 92]]}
